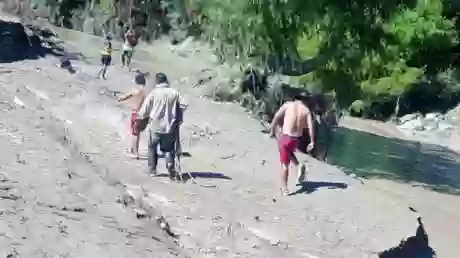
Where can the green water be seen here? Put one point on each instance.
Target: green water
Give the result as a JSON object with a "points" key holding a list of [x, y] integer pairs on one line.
{"points": [[371, 156]]}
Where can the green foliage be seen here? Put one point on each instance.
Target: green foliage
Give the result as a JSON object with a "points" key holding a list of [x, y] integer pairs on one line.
{"points": [[370, 51], [374, 50]]}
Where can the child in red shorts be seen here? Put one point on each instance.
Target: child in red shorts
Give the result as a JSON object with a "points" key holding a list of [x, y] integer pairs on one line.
{"points": [[134, 99]]}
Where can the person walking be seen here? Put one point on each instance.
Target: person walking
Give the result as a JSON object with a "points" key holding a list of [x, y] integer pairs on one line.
{"points": [[134, 99], [163, 108], [130, 41], [294, 118], [106, 57]]}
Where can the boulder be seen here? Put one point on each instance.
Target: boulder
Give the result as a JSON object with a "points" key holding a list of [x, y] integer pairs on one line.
{"points": [[14, 42], [434, 116], [414, 124], [430, 124], [409, 117], [453, 115]]}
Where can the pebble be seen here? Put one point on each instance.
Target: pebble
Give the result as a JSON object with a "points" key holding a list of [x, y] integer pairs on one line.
{"points": [[275, 242]]}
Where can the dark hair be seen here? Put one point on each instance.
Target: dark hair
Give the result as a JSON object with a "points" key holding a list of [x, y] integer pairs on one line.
{"points": [[161, 78], [139, 79], [300, 97]]}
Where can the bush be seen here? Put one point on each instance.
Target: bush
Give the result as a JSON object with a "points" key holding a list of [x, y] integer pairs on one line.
{"points": [[371, 51]]}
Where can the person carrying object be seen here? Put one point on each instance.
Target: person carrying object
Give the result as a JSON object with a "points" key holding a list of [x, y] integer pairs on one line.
{"points": [[163, 111]]}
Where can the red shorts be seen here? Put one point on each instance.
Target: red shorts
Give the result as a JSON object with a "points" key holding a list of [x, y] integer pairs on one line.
{"points": [[133, 124], [287, 146]]}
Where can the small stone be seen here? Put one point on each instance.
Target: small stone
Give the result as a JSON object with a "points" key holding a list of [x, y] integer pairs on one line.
{"points": [[275, 242], [216, 218], [140, 213]]}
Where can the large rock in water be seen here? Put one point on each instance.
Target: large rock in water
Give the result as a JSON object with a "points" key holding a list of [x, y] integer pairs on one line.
{"points": [[15, 44]]}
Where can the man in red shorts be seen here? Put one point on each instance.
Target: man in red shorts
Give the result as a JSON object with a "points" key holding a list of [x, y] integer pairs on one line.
{"points": [[293, 117], [134, 100]]}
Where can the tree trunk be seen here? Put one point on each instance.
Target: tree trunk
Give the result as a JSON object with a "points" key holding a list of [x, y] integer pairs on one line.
{"points": [[396, 111]]}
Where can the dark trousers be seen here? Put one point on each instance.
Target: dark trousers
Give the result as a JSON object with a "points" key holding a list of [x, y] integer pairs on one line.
{"points": [[166, 141]]}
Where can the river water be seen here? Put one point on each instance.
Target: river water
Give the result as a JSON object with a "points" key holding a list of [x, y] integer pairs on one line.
{"points": [[370, 156]]}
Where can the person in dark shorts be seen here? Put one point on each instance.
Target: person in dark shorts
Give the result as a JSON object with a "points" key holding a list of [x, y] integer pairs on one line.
{"points": [[134, 99], [106, 57]]}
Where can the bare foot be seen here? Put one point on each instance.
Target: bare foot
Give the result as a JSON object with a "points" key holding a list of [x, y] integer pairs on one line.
{"points": [[284, 192]]}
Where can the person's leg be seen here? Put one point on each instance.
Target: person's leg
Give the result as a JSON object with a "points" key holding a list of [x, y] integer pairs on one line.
{"points": [[108, 61], [283, 143], [167, 147], [135, 135], [104, 71], [123, 58], [136, 140], [177, 145], [101, 71], [129, 56], [301, 169], [152, 152]]}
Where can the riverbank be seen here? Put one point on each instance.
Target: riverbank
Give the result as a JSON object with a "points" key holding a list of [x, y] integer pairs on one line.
{"points": [[448, 138]]}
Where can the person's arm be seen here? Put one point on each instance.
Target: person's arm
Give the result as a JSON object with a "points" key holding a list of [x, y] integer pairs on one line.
{"points": [[126, 96], [182, 103], [277, 119], [311, 127]]}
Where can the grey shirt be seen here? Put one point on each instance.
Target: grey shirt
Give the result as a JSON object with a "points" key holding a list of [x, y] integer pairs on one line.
{"points": [[164, 106]]}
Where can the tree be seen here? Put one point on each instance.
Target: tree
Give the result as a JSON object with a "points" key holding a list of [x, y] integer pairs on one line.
{"points": [[371, 51]]}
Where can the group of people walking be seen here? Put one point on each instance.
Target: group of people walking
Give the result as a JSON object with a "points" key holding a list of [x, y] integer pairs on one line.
{"points": [[162, 110], [131, 39]]}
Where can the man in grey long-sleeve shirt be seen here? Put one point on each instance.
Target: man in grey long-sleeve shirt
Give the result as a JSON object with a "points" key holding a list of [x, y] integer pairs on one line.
{"points": [[164, 107]]}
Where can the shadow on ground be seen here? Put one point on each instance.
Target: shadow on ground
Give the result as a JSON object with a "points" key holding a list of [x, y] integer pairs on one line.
{"points": [[308, 187], [414, 246], [209, 175], [371, 156], [184, 154]]}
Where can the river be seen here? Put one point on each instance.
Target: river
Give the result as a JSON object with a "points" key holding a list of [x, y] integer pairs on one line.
{"points": [[370, 156]]}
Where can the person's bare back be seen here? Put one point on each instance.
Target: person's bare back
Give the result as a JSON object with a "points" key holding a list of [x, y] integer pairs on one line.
{"points": [[295, 118], [134, 98]]}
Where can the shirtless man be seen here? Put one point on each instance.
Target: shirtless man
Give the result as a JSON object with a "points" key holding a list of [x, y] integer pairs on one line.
{"points": [[134, 99], [293, 117], [131, 40]]}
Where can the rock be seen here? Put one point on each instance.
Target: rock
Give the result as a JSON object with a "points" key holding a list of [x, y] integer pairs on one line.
{"points": [[443, 125], [416, 125], [141, 213], [4, 177], [434, 116], [275, 242], [18, 102], [453, 115], [430, 124], [409, 117], [16, 44]]}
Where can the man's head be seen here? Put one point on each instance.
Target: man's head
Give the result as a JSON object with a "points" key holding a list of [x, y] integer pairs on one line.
{"points": [[300, 97], [161, 78], [139, 79]]}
